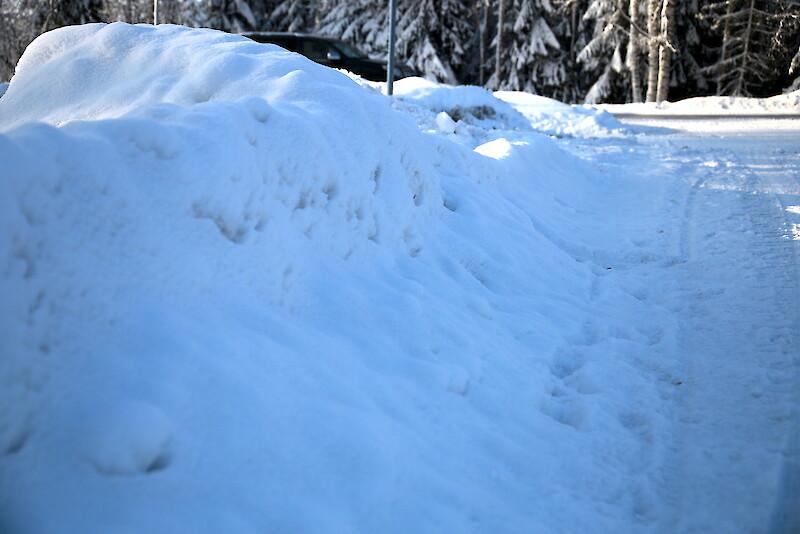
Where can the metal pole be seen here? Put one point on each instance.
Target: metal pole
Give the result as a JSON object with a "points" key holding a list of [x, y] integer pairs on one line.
{"points": [[155, 11], [499, 51], [392, 41]]}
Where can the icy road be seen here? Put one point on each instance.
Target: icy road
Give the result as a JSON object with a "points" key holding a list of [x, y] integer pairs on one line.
{"points": [[719, 200]]}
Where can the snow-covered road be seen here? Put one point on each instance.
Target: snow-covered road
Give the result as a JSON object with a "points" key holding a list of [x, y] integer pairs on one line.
{"points": [[716, 214]]}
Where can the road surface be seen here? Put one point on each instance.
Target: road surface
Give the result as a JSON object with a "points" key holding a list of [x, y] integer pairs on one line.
{"points": [[721, 208]]}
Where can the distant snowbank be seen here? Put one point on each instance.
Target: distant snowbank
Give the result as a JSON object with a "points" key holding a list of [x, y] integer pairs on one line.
{"points": [[469, 115], [781, 104], [556, 118]]}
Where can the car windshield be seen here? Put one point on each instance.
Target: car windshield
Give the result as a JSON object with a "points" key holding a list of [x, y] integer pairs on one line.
{"points": [[349, 51]]}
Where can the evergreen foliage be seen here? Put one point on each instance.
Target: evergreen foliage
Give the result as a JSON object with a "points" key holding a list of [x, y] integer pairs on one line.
{"points": [[433, 36], [362, 22], [601, 57], [750, 51], [535, 58]]}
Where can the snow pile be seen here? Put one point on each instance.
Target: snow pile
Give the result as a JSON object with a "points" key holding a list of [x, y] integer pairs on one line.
{"points": [[244, 293], [3, 88], [472, 115], [562, 120], [75, 80], [469, 105]]}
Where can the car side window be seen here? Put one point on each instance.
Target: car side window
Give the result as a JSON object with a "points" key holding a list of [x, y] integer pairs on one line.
{"points": [[316, 50]]}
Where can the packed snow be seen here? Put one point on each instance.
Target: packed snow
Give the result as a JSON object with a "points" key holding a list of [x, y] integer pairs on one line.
{"points": [[243, 292]]}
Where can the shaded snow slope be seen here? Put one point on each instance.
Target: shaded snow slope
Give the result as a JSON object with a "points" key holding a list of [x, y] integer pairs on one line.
{"points": [[245, 293]]}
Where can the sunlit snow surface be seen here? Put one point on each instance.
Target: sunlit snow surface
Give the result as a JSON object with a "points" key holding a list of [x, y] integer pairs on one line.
{"points": [[245, 293]]}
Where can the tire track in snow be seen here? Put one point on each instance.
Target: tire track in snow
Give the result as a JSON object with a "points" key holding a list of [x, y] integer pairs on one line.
{"points": [[786, 513], [724, 286], [738, 334]]}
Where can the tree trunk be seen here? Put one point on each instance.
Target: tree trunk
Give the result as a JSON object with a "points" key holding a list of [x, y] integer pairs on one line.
{"points": [[633, 52], [726, 39], [499, 49], [665, 49], [481, 23], [652, 48], [739, 88]]}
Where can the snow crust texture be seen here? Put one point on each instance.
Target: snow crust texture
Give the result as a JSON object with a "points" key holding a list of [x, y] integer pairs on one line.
{"points": [[246, 293]]}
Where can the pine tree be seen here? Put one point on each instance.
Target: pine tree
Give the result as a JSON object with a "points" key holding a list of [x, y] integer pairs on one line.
{"points": [[747, 63], [497, 79], [233, 16], [535, 56], [42, 16], [361, 22], [574, 33], [688, 78], [295, 16], [12, 39], [601, 58], [480, 15], [132, 11], [432, 35]]}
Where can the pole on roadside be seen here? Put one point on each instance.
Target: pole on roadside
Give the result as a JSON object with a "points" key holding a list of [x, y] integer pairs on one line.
{"points": [[392, 41]]}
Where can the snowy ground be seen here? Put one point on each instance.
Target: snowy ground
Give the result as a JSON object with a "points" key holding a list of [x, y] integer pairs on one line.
{"points": [[243, 293]]}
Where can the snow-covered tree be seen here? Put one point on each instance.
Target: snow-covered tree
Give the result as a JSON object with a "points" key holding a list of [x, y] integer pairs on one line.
{"points": [[361, 22], [433, 35], [231, 15], [133, 11], [601, 58], [574, 33], [295, 16], [11, 40], [534, 52], [692, 52], [503, 28], [747, 58]]}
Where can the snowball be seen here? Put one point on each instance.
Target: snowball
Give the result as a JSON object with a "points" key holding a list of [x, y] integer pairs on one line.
{"points": [[126, 438]]}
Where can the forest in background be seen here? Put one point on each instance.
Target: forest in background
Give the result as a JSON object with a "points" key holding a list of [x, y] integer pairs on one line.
{"points": [[575, 51]]}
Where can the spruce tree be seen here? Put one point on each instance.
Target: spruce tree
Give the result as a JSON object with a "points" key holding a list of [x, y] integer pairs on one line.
{"points": [[601, 59], [534, 51], [433, 34], [748, 63], [360, 22]]}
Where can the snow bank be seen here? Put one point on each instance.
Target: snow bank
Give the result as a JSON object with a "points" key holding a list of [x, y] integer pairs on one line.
{"points": [[467, 104], [556, 118], [77, 74], [721, 105], [472, 115], [244, 294]]}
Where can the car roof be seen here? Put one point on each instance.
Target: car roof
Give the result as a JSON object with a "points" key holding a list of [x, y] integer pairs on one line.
{"points": [[288, 34]]}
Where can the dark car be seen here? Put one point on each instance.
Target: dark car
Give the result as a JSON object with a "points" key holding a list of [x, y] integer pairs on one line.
{"points": [[332, 53]]}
